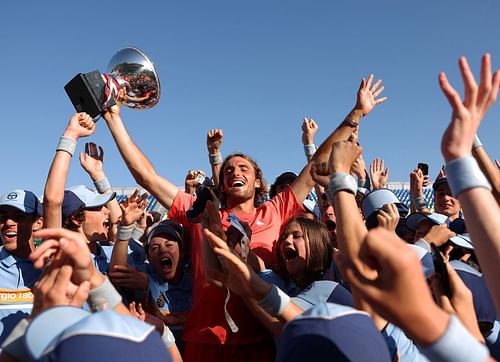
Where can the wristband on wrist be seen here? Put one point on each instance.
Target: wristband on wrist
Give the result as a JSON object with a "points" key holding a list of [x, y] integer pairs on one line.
{"points": [[66, 144], [456, 344], [476, 143], [137, 233], [464, 174], [350, 122], [420, 203], [168, 337], [275, 301], [124, 232], [341, 181], [102, 185], [310, 149], [215, 158], [104, 297]]}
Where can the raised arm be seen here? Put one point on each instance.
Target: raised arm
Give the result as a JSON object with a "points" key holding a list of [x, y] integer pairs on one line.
{"points": [[80, 125], [141, 168], [488, 168], [366, 100], [214, 141], [92, 161], [466, 180]]}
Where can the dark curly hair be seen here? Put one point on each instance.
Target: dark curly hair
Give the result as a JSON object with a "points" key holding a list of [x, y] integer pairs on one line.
{"points": [[260, 192], [78, 215]]}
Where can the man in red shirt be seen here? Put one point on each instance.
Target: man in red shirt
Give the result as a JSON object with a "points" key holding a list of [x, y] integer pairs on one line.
{"points": [[207, 333]]}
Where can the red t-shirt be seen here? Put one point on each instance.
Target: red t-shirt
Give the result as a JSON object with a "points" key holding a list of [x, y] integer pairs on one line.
{"points": [[206, 322]]}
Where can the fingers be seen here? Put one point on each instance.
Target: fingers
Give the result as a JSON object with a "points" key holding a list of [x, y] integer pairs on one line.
{"points": [[81, 294], [42, 254], [450, 93], [470, 86], [369, 82]]}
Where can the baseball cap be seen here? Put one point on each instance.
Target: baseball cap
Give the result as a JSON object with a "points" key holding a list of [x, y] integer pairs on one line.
{"points": [[463, 241], [414, 219], [81, 196], [67, 333], [425, 260], [332, 332], [168, 228], [23, 200], [439, 181], [375, 200]]}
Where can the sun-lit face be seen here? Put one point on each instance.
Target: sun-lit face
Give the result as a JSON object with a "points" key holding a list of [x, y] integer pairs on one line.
{"points": [[239, 180], [446, 204], [164, 255], [16, 229], [96, 224], [293, 250]]}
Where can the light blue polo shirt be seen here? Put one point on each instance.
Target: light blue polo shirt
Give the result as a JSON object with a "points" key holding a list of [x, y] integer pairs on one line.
{"points": [[17, 277]]}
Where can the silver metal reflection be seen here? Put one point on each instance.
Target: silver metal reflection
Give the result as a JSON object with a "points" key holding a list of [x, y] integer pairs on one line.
{"points": [[136, 77]]}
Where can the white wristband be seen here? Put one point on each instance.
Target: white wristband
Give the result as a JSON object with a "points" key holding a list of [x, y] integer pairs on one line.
{"points": [[341, 181], [104, 297], [137, 233], [124, 232], [275, 301], [464, 174], [215, 159], [310, 149], [66, 144], [456, 345], [420, 203], [476, 143], [102, 185]]}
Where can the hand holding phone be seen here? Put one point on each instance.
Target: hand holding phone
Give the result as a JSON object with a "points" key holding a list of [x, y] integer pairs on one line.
{"points": [[440, 269]]}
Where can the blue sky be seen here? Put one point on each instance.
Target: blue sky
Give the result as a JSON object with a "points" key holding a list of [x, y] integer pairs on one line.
{"points": [[252, 68]]}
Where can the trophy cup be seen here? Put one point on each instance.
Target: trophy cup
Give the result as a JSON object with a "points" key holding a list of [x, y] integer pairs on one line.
{"points": [[131, 79]]}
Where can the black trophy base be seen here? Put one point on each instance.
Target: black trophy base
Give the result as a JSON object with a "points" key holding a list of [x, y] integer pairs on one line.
{"points": [[86, 91]]}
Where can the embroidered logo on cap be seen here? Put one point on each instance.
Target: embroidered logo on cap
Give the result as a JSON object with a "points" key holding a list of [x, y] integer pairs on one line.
{"points": [[12, 196]]}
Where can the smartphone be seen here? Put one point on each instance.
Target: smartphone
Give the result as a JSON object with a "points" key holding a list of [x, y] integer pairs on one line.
{"points": [[424, 167], [440, 269]]}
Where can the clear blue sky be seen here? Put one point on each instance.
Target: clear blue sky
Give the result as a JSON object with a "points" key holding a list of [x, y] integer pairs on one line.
{"points": [[253, 68]]}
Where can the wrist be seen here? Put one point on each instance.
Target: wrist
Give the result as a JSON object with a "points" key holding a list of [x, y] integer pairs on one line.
{"points": [[463, 174], [215, 158], [356, 114], [71, 134], [124, 231], [427, 327], [96, 280]]}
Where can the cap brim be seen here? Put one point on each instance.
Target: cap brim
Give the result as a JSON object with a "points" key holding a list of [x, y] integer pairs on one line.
{"points": [[100, 200], [375, 200], [461, 242], [44, 330]]}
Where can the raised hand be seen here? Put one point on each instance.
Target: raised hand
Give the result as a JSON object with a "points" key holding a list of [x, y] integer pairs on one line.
{"points": [[467, 113], [214, 140], [320, 173], [54, 288], [343, 156], [133, 207], [461, 301], [399, 293], [367, 95], [237, 276], [127, 277], [63, 246], [80, 125], [359, 168], [378, 174], [416, 183], [137, 311], [92, 161], [309, 130], [192, 180], [388, 217]]}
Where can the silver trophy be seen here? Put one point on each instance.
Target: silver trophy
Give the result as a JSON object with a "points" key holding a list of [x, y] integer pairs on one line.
{"points": [[131, 79]]}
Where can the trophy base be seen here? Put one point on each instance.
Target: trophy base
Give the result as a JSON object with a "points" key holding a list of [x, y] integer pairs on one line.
{"points": [[86, 91]]}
